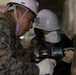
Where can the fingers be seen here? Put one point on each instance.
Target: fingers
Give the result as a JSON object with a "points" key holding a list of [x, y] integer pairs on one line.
{"points": [[69, 48], [69, 55]]}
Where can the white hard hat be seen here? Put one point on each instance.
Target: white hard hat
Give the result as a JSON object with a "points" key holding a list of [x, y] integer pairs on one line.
{"points": [[31, 4], [47, 20]]}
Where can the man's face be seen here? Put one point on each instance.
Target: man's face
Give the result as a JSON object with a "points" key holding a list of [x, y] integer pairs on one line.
{"points": [[26, 23]]}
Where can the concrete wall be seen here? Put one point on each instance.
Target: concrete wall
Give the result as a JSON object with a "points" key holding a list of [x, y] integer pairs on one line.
{"points": [[54, 5]]}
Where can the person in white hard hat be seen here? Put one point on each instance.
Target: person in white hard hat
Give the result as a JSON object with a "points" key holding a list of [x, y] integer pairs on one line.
{"points": [[16, 20], [49, 43]]}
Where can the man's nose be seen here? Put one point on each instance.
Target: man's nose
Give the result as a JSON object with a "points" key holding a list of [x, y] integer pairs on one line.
{"points": [[31, 25]]}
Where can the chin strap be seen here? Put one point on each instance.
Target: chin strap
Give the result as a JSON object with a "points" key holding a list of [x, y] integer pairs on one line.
{"points": [[18, 22]]}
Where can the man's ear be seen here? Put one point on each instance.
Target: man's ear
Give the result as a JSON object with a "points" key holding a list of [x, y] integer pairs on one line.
{"points": [[18, 14]]}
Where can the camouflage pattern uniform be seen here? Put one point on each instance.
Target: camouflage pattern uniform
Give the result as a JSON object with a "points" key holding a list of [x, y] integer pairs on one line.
{"points": [[9, 65]]}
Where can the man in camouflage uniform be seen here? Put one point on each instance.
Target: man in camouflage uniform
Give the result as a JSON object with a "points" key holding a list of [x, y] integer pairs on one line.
{"points": [[14, 22], [9, 39]]}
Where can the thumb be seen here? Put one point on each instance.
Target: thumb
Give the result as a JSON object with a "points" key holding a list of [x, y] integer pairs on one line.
{"points": [[53, 62]]}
